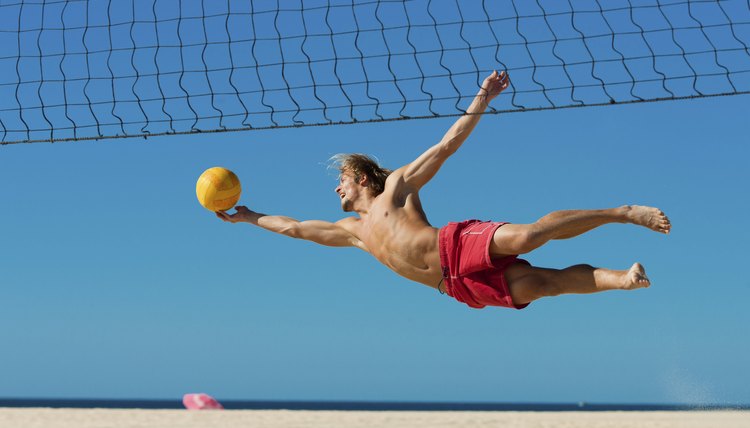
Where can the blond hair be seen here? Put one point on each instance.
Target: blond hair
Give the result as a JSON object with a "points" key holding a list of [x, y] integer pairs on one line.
{"points": [[360, 164]]}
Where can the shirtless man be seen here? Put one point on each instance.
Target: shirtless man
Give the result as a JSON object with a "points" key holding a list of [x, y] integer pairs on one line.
{"points": [[474, 262]]}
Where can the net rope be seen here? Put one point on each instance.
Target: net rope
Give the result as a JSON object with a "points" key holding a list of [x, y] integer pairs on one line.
{"points": [[92, 69]]}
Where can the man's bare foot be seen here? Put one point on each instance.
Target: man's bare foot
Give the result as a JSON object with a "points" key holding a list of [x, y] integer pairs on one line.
{"points": [[650, 217], [636, 278]]}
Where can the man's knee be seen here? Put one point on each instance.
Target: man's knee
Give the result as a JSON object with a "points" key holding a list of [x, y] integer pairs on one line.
{"points": [[551, 288]]}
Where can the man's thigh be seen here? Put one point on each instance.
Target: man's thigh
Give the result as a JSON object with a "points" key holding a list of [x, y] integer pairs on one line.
{"points": [[510, 240], [527, 283]]}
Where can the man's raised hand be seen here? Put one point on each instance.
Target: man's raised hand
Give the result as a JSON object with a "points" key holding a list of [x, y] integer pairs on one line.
{"points": [[494, 84]]}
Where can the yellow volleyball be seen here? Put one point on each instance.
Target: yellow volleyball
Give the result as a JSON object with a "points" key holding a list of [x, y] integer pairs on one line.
{"points": [[218, 189]]}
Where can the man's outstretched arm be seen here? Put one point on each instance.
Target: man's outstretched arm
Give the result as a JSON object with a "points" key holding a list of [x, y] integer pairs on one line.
{"points": [[321, 232], [419, 172]]}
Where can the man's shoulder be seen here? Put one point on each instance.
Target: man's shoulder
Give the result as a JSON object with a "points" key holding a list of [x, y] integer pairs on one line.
{"points": [[396, 179], [352, 225], [348, 222], [396, 186], [397, 174]]}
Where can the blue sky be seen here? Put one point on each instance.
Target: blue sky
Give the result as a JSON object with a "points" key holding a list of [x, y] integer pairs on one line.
{"points": [[118, 284]]}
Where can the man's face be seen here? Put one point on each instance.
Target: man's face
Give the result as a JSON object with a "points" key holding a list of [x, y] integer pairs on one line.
{"points": [[348, 190]]}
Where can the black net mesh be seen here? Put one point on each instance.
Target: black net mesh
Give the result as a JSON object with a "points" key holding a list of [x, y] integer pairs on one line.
{"points": [[77, 69]]}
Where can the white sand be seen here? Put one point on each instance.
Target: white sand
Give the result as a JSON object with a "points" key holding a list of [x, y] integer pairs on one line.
{"points": [[117, 418]]}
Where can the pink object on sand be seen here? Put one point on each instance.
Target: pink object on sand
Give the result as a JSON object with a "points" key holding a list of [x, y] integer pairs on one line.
{"points": [[201, 402]]}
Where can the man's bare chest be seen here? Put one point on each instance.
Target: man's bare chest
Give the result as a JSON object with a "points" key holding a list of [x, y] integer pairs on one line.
{"points": [[391, 222]]}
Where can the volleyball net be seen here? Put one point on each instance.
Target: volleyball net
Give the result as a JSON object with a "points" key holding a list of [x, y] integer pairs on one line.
{"points": [[90, 69]]}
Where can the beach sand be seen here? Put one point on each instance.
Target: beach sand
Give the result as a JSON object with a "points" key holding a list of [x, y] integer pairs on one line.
{"points": [[136, 418]]}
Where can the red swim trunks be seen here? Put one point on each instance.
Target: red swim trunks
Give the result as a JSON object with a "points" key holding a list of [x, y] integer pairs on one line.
{"points": [[470, 275]]}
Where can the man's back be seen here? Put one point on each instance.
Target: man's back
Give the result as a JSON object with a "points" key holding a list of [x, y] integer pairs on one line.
{"points": [[395, 231]]}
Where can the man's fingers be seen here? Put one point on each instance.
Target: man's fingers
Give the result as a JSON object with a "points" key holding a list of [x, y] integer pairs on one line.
{"points": [[504, 80]]}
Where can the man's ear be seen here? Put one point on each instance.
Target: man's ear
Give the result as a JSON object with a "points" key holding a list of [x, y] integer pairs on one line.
{"points": [[364, 180]]}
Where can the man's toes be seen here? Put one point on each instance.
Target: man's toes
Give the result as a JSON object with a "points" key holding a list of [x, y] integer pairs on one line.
{"points": [[643, 280]]}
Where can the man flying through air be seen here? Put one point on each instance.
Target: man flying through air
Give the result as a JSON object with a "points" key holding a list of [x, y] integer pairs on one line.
{"points": [[473, 261]]}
